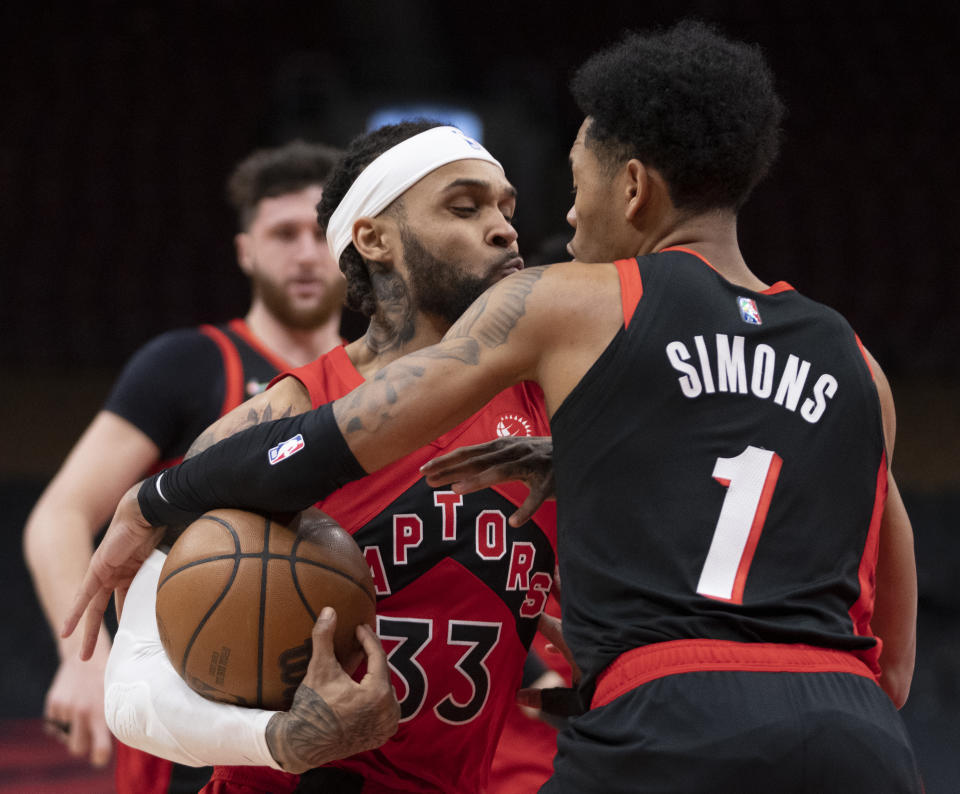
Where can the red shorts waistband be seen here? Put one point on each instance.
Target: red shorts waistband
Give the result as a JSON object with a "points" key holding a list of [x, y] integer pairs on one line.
{"points": [[636, 667]]}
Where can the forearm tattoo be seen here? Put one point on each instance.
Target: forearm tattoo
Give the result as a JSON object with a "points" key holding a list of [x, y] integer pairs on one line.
{"points": [[491, 325], [312, 733], [309, 736], [226, 426]]}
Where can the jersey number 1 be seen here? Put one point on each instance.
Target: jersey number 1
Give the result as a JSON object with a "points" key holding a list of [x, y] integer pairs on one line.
{"points": [[750, 478]]}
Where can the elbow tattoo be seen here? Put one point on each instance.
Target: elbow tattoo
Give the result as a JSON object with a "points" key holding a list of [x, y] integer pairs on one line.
{"points": [[227, 426]]}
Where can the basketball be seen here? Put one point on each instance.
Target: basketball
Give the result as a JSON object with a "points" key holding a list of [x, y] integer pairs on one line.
{"points": [[238, 597]]}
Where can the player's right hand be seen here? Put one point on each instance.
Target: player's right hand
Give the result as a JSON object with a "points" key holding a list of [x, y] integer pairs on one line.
{"points": [[73, 711], [127, 543], [332, 715]]}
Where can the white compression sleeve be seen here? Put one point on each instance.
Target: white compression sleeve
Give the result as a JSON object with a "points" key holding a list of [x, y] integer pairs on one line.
{"points": [[150, 707]]}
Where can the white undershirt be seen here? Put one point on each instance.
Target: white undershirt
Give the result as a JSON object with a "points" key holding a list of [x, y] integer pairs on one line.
{"points": [[150, 707]]}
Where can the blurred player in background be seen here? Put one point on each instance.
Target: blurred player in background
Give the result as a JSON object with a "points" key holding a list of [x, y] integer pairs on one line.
{"points": [[170, 390]]}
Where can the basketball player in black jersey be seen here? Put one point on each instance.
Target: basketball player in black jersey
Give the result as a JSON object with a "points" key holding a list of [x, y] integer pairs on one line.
{"points": [[739, 582], [169, 391]]}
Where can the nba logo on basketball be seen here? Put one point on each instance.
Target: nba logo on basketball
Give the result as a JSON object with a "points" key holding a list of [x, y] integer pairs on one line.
{"points": [[748, 311], [285, 449]]}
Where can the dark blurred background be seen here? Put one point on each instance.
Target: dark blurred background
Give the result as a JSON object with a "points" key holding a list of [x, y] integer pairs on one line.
{"points": [[120, 121]]}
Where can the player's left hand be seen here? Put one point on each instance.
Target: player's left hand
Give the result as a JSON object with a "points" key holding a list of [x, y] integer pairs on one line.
{"points": [[127, 543], [525, 458], [333, 716], [73, 708]]}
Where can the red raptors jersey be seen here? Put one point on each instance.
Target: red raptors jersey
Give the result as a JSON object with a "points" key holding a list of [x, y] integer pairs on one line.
{"points": [[459, 593], [720, 471]]}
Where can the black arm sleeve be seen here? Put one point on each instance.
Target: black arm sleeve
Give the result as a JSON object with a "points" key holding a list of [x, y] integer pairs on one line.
{"points": [[280, 466]]}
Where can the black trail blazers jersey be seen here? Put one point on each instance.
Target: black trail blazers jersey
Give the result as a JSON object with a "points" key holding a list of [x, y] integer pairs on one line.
{"points": [[720, 470]]}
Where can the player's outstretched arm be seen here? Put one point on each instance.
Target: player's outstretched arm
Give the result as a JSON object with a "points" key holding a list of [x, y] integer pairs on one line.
{"points": [[544, 324], [332, 715], [528, 459]]}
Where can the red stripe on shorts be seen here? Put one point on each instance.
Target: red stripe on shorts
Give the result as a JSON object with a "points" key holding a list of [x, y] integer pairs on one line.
{"points": [[641, 665]]}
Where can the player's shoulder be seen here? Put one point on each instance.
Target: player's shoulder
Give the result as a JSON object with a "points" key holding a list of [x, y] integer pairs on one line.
{"points": [[827, 317], [577, 270], [185, 353], [564, 282], [178, 342]]}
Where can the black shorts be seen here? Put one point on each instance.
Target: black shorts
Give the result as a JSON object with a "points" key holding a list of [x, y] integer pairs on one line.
{"points": [[740, 732]]}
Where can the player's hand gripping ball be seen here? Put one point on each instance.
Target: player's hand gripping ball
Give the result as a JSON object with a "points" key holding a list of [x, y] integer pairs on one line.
{"points": [[238, 597]]}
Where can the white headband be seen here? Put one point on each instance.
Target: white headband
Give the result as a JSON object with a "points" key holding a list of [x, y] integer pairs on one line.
{"points": [[393, 172]]}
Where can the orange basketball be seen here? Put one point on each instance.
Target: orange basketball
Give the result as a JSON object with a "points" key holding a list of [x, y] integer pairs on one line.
{"points": [[239, 595]]}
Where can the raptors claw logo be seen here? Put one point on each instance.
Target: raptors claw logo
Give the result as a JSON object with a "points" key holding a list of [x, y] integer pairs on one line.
{"points": [[513, 425]]}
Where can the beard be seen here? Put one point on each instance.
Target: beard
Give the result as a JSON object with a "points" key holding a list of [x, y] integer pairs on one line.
{"points": [[299, 315], [441, 288]]}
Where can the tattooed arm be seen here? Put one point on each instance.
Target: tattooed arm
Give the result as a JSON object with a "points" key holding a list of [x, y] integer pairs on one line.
{"points": [[545, 324], [288, 397], [418, 397]]}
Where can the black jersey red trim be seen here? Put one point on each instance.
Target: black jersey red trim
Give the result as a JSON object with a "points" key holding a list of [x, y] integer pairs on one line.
{"points": [[645, 664]]}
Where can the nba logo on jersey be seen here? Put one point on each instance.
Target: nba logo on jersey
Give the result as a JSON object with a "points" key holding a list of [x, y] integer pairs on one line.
{"points": [[748, 311], [285, 449]]}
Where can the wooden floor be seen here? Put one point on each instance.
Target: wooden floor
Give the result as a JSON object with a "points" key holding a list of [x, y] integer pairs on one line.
{"points": [[33, 763]]}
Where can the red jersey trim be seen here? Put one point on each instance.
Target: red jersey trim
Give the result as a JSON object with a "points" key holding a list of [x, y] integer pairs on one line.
{"points": [[240, 328], [232, 368], [773, 289], [862, 609], [690, 251], [315, 378], [631, 287], [345, 369], [776, 288], [645, 664], [863, 352]]}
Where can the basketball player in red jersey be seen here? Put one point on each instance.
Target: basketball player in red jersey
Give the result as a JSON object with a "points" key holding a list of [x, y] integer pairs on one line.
{"points": [[458, 600], [173, 388], [739, 587]]}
